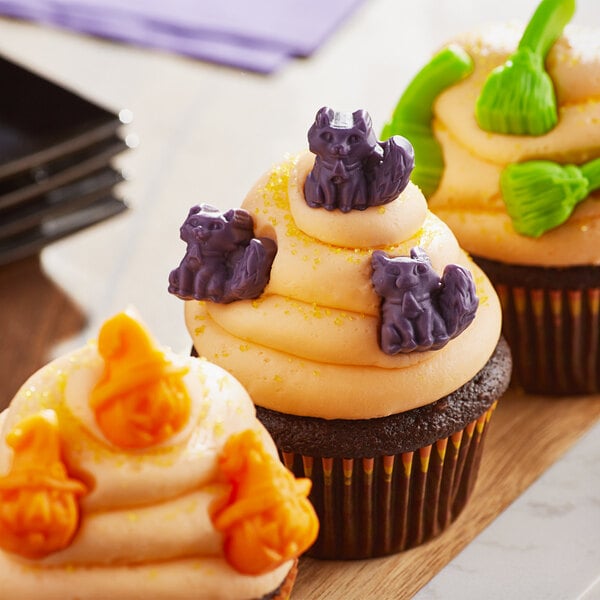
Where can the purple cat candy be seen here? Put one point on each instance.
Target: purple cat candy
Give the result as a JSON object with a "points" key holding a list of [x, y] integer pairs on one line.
{"points": [[352, 169], [223, 260], [421, 311]]}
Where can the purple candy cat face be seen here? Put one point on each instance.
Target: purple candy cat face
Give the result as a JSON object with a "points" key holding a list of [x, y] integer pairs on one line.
{"points": [[215, 230], [336, 135], [419, 310], [352, 170], [223, 262], [394, 276]]}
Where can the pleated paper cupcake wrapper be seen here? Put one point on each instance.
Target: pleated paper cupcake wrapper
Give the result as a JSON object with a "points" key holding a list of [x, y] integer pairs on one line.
{"points": [[374, 506], [554, 336]]}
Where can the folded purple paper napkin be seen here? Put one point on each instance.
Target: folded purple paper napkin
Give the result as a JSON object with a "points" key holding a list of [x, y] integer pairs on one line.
{"points": [[257, 35]]}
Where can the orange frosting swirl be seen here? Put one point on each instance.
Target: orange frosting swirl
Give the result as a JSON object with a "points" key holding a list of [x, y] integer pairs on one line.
{"points": [[141, 399], [39, 509], [266, 519], [470, 199], [314, 332]]}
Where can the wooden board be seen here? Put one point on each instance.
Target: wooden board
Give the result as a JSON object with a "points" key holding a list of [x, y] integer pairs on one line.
{"points": [[35, 315], [527, 435]]}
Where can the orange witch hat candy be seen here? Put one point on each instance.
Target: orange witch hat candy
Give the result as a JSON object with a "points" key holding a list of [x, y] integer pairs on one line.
{"points": [[140, 399], [267, 518], [39, 510]]}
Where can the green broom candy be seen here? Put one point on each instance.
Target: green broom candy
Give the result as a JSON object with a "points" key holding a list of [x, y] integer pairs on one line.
{"points": [[540, 194], [518, 96], [413, 114]]}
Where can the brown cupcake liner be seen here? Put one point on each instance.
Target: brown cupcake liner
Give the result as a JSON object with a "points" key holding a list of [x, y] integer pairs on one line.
{"points": [[374, 506], [554, 336], [551, 322]]}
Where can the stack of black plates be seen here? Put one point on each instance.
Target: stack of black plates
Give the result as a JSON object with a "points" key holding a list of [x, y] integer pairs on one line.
{"points": [[56, 172]]}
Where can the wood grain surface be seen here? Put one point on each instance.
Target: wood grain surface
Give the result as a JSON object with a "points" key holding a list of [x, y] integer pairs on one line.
{"points": [[527, 435], [35, 315]]}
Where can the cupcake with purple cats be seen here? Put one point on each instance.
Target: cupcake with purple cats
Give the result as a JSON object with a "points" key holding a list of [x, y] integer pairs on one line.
{"points": [[372, 349]]}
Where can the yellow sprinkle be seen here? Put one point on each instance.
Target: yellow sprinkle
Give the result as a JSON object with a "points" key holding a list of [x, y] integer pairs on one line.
{"points": [[244, 347]]}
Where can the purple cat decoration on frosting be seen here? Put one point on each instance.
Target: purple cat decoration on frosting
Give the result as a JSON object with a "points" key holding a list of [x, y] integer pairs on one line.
{"points": [[223, 260], [420, 310], [352, 169]]}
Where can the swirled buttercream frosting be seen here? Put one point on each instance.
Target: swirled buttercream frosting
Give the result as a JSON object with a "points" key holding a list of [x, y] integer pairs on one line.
{"points": [[311, 343], [128, 472], [502, 202]]}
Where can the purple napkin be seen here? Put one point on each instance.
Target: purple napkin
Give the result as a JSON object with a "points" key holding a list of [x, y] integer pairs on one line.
{"points": [[257, 35]]}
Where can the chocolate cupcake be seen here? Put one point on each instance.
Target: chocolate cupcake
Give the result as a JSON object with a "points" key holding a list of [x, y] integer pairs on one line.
{"points": [[387, 484], [371, 346], [514, 121]]}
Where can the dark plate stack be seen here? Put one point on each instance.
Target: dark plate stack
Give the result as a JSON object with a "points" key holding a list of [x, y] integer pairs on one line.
{"points": [[56, 153]]}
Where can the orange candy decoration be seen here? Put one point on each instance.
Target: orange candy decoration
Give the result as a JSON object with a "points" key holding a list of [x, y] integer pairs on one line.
{"points": [[39, 510], [266, 518], [141, 399]]}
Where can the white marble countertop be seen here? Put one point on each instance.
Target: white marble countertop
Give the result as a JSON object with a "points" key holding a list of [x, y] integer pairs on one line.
{"points": [[205, 135]]}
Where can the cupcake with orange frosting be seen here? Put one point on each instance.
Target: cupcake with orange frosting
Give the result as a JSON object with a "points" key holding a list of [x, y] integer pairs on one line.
{"points": [[367, 338], [509, 155], [129, 472]]}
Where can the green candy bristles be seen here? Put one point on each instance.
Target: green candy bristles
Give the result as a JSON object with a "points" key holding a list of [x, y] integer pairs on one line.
{"points": [[518, 97], [540, 194], [413, 114]]}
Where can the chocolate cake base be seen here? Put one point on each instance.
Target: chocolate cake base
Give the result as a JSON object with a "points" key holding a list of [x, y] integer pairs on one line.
{"points": [[384, 485], [551, 320]]}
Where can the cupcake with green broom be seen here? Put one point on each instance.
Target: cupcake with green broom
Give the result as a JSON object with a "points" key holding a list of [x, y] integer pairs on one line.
{"points": [[509, 157]]}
